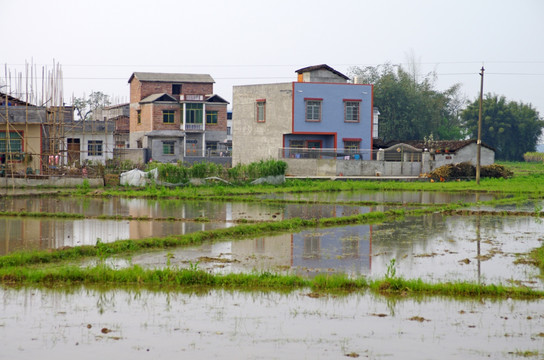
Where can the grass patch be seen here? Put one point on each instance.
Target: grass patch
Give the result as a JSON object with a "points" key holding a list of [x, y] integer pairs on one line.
{"points": [[183, 278]]}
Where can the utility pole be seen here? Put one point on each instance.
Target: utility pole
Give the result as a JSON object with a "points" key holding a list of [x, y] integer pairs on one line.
{"points": [[479, 143]]}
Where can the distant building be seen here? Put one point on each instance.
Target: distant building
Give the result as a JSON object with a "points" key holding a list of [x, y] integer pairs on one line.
{"points": [[176, 116], [33, 143], [320, 110], [120, 115], [89, 141]]}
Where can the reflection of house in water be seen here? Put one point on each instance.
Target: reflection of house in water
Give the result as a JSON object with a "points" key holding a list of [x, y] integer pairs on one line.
{"points": [[20, 234], [344, 249], [89, 232], [40, 234], [270, 253], [146, 208]]}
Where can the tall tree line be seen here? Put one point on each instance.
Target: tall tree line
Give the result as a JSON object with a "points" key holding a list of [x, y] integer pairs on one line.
{"points": [[410, 108], [511, 128]]}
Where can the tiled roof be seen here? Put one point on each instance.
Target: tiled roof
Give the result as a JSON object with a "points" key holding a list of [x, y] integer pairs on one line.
{"points": [[451, 145], [216, 99], [158, 97], [172, 78], [321, 67]]}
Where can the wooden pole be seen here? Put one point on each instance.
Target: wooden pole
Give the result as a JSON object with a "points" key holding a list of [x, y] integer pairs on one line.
{"points": [[479, 143]]}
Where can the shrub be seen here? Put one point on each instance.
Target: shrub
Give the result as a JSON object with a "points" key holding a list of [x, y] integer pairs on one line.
{"points": [[177, 173], [172, 173], [533, 157]]}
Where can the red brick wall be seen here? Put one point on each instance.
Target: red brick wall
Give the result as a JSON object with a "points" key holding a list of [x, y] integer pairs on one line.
{"points": [[150, 88], [151, 115], [135, 89], [157, 117], [122, 124], [221, 117]]}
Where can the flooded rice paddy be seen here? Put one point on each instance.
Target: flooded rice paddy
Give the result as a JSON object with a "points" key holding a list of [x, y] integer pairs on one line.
{"points": [[435, 248], [87, 323], [124, 324], [176, 217], [402, 197]]}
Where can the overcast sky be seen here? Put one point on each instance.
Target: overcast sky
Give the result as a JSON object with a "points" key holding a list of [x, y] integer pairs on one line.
{"points": [[99, 44]]}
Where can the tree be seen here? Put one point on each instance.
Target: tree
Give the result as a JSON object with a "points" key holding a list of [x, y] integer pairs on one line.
{"points": [[511, 128], [85, 107], [410, 108]]}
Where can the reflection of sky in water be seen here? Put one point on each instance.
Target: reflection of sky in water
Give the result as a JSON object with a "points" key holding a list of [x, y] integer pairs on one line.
{"points": [[43, 233], [141, 324], [431, 247], [434, 248], [440, 248], [417, 197], [527, 206]]}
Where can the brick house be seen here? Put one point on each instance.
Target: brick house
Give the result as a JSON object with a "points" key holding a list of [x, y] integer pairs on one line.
{"points": [[119, 114], [176, 116]]}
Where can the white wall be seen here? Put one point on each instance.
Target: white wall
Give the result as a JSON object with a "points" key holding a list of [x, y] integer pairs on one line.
{"points": [[253, 141]]}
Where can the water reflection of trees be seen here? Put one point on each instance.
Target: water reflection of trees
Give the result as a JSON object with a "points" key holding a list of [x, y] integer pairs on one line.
{"points": [[401, 236]]}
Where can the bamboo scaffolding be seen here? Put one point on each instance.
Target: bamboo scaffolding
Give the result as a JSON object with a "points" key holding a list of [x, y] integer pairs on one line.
{"points": [[53, 153]]}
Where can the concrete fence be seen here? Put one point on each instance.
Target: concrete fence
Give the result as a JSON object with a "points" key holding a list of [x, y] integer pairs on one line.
{"points": [[49, 181], [328, 167]]}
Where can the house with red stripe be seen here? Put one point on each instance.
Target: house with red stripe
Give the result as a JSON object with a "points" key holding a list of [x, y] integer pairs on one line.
{"points": [[320, 115]]}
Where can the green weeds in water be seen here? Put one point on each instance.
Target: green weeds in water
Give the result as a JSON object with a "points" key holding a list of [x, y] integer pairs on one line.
{"points": [[526, 353], [391, 272], [193, 277]]}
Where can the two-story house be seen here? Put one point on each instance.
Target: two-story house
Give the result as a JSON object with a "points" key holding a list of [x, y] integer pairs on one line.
{"points": [[176, 116], [320, 111]]}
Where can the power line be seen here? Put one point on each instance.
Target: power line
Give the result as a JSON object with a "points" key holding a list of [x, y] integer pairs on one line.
{"points": [[290, 65], [291, 77]]}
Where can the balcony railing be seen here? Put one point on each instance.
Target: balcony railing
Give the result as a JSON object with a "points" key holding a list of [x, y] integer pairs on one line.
{"points": [[191, 97], [349, 154], [194, 127]]}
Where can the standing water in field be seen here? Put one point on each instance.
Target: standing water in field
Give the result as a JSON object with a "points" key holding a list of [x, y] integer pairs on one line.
{"points": [[140, 324]]}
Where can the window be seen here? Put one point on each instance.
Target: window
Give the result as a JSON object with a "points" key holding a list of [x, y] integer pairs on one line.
{"points": [[211, 117], [94, 148], [375, 116], [176, 89], [296, 144], [211, 145], [15, 147], [168, 116], [193, 113], [229, 131], [313, 109], [168, 148], [352, 145], [351, 110], [139, 144], [260, 110], [139, 116]]}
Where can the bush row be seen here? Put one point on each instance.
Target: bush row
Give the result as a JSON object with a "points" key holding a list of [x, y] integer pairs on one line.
{"points": [[179, 173], [533, 157]]}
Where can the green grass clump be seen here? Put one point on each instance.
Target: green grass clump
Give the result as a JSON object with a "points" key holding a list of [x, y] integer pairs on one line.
{"points": [[179, 173], [533, 157], [182, 278]]}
